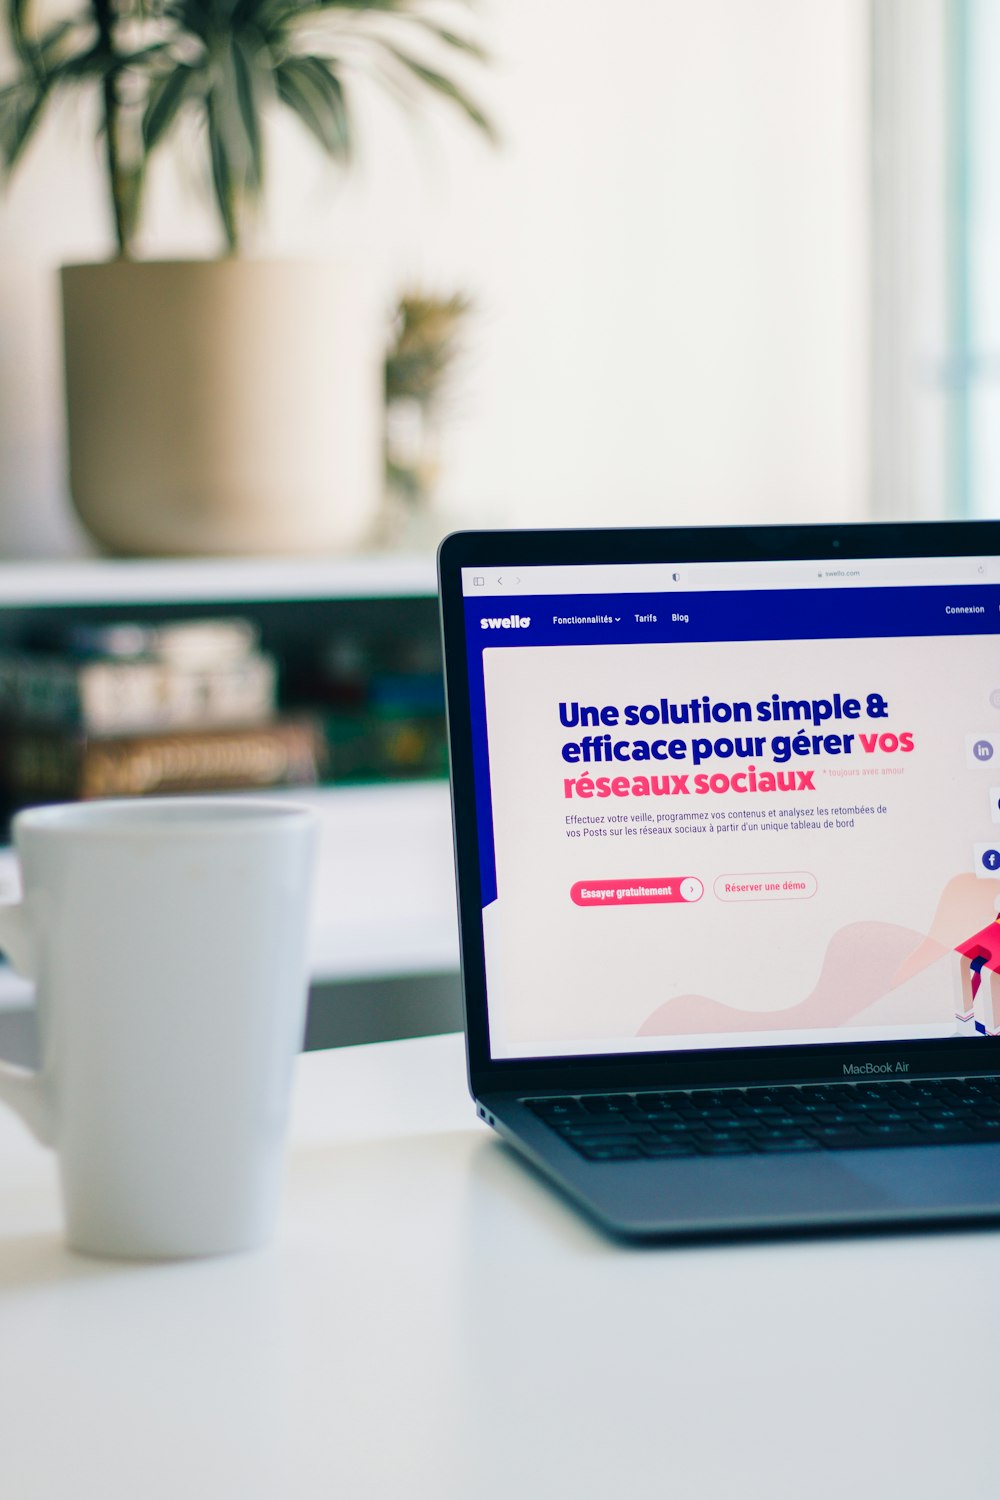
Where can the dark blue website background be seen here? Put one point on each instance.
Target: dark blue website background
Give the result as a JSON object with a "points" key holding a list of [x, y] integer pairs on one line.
{"points": [[748, 615]]}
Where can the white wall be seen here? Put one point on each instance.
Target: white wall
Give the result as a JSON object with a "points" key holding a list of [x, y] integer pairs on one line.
{"points": [[669, 258], [913, 385]]}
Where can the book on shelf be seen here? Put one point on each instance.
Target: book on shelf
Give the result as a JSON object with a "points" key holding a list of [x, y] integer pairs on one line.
{"points": [[134, 706], [190, 642], [38, 765], [107, 697]]}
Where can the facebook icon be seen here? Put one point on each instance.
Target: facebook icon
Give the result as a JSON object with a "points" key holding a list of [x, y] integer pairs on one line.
{"points": [[991, 860]]}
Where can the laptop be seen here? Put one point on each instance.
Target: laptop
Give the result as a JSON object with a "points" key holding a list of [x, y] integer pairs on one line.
{"points": [[727, 827]]}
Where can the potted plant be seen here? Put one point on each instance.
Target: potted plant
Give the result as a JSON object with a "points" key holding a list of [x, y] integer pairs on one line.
{"points": [[231, 405], [425, 346]]}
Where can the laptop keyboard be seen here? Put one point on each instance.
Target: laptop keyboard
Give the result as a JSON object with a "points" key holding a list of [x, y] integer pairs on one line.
{"points": [[740, 1122]]}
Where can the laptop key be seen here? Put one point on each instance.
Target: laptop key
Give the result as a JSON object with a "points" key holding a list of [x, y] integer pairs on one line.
{"points": [[836, 1135], [554, 1109], [943, 1130], [597, 1130], [666, 1149], [709, 1146], [778, 1134], [902, 1135], [788, 1143], [609, 1153]]}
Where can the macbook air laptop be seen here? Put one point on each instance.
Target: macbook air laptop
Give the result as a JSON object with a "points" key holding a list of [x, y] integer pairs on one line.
{"points": [[727, 825]]}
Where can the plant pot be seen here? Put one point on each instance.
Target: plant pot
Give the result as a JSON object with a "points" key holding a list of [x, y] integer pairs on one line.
{"points": [[223, 406]]}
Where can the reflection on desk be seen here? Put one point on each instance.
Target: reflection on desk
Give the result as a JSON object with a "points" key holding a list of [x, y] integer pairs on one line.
{"points": [[433, 1323]]}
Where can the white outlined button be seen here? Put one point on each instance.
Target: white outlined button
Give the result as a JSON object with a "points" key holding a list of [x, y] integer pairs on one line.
{"points": [[766, 885]]}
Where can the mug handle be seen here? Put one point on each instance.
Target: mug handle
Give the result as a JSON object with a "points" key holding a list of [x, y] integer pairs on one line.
{"points": [[20, 1087]]}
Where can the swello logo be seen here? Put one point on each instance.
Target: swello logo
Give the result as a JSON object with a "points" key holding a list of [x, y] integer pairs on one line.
{"points": [[508, 622]]}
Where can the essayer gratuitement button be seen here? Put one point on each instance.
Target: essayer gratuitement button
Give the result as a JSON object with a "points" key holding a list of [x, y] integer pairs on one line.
{"points": [[666, 889]]}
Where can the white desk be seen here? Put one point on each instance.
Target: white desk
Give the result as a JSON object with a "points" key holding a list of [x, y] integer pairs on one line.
{"points": [[433, 1324]]}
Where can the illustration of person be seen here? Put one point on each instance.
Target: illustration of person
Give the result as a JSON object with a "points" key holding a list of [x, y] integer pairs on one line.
{"points": [[979, 977]]}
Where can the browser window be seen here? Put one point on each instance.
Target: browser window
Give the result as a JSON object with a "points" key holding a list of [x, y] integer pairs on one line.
{"points": [[737, 804]]}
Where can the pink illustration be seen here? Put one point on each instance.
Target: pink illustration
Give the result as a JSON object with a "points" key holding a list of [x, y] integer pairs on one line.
{"points": [[865, 962], [980, 979], [860, 966], [965, 905]]}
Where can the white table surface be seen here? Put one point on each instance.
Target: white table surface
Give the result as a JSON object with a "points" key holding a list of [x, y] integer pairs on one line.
{"points": [[432, 1322]]}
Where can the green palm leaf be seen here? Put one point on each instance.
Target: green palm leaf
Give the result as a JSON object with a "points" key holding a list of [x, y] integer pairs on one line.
{"points": [[452, 39], [222, 178], [17, 11], [227, 94], [227, 60], [21, 107], [246, 91], [438, 83], [166, 95], [310, 87]]}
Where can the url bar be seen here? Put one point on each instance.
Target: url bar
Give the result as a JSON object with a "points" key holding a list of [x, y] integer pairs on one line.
{"points": [[645, 578], [904, 570]]}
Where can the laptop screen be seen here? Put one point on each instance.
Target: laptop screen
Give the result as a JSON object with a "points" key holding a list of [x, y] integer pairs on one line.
{"points": [[736, 804]]}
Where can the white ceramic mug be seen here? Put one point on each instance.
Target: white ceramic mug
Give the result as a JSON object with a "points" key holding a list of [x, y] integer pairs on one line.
{"points": [[168, 941]]}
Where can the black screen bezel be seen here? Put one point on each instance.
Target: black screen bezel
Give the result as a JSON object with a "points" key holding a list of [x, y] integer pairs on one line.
{"points": [[492, 549]]}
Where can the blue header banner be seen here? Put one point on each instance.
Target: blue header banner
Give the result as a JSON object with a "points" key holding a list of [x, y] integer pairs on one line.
{"points": [[736, 615]]}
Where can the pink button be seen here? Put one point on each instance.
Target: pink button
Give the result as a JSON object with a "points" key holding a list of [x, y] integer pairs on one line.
{"points": [[668, 888]]}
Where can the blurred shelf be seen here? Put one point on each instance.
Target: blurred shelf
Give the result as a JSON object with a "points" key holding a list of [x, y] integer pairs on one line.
{"points": [[219, 580], [385, 893]]}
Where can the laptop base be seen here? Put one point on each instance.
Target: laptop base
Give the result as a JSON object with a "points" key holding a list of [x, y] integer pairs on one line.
{"points": [[946, 1186]]}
